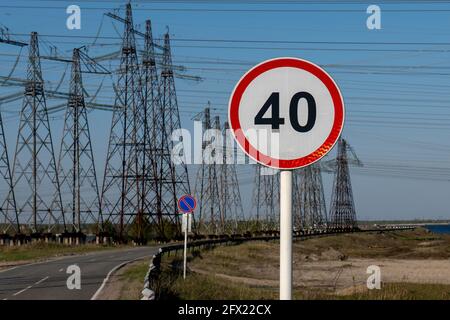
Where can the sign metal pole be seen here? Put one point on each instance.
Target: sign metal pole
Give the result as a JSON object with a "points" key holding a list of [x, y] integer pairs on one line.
{"points": [[186, 219], [286, 235]]}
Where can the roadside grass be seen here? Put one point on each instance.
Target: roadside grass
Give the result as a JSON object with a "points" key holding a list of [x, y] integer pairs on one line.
{"points": [[132, 279], [171, 284], [403, 291], [209, 287], [251, 258], [402, 244], [39, 251]]}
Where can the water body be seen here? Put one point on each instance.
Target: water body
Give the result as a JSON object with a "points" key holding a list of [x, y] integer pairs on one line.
{"points": [[445, 228]]}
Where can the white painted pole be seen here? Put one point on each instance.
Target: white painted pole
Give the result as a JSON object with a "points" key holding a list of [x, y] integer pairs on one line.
{"points": [[286, 235], [186, 220]]}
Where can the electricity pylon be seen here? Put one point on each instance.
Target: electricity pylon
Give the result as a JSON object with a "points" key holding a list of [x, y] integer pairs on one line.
{"points": [[309, 200], [162, 186], [210, 217], [266, 197], [122, 190], [229, 186], [342, 212], [10, 220], [171, 125], [76, 167], [35, 175]]}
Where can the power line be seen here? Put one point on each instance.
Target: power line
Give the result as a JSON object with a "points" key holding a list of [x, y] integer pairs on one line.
{"points": [[211, 40], [210, 10]]}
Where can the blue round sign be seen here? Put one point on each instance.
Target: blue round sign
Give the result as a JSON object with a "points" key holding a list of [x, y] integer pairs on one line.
{"points": [[187, 203]]}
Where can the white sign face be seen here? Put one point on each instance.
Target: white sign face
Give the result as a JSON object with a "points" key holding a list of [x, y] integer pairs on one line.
{"points": [[286, 113]]}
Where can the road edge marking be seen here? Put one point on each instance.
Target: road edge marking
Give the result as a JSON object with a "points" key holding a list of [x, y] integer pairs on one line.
{"points": [[29, 287], [23, 290], [105, 281], [34, 263], [42, 280]]}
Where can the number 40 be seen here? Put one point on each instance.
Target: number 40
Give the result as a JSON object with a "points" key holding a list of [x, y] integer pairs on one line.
{"points": [[275, 120]]}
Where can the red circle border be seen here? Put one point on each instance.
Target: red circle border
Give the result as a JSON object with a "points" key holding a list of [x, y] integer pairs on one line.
{"points": [[250, 150]]}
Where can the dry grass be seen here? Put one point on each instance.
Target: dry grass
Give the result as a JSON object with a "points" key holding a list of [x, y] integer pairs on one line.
{"points": [[40, 251], [131, 280], [401, 245], [403, 291], [210, 287]]}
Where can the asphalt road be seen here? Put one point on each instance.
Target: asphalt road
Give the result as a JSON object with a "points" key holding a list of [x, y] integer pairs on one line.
{"points": [[47, 280]]}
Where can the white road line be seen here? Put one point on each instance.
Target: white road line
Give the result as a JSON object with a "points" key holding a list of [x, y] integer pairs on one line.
{"points": [[29, 287], [5, 299], [93, 259], [97, 293], [42, 280], [23, 290], [9, 269], [60, 270], [39, 262]]}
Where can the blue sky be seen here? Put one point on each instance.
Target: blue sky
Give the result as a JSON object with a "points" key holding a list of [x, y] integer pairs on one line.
{"points": [[395, 81]]}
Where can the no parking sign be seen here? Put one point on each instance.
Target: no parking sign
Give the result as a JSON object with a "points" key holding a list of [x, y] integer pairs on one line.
{"points": [[187, 203]]}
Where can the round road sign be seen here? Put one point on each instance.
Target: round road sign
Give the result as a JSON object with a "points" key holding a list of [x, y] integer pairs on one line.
{"points": [[286, 113], [187, 203]]}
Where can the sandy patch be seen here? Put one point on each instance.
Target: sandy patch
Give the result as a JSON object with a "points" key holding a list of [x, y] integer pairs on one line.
{"points": [[350, 274]]}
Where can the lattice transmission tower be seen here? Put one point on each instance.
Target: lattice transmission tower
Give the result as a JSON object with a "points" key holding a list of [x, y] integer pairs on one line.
{"points": [[123, 180], [76, 167], [309, 200], [230, 196], [342, 212], [207, 187], [162, 186], [35, 176], [9, 222], [266, 197], [169, 122]]}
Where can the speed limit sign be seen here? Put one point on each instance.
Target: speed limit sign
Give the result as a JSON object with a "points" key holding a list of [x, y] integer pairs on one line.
{"points": [[286, 113]]}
